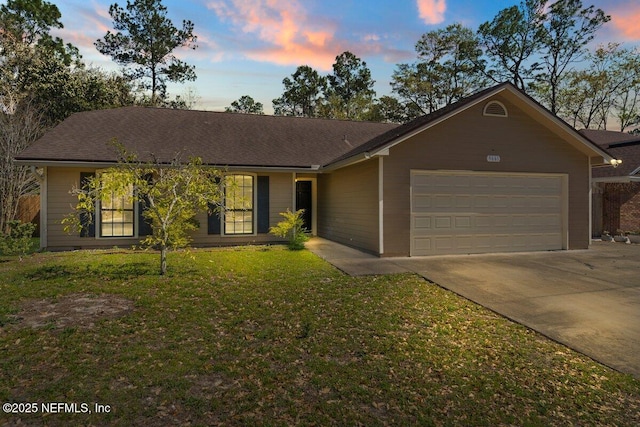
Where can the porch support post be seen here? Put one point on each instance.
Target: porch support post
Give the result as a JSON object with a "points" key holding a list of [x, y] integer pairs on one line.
{"points": [[380, 205], [43, 208]]}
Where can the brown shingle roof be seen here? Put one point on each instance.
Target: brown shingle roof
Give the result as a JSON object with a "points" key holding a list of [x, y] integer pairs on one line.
{"points": [[622, 146], [607, 138], [223, 139]]}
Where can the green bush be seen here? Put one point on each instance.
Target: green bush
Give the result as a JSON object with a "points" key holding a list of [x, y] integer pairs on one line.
{"points": [[292, 228], [18, 240]]}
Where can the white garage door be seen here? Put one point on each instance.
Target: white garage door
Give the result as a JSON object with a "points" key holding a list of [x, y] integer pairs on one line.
{"points": [[475, 212]]}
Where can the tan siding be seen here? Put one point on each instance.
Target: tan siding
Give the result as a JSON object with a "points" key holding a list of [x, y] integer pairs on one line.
{"points": [[281, 193], [463, 143], [348, 205], [59, 204]]}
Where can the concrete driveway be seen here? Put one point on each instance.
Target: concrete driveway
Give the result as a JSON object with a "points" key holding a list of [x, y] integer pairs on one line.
{"points": [[588, 300]]}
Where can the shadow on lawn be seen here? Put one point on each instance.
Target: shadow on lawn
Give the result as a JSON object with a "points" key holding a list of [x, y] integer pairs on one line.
{"points": [[104, 270]]}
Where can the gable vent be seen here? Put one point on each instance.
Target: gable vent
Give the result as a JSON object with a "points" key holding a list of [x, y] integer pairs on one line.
{"points": [[495, 109]]}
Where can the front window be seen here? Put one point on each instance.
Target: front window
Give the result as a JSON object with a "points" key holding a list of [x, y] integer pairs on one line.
{"points": [[117, 213], [238, 213]]}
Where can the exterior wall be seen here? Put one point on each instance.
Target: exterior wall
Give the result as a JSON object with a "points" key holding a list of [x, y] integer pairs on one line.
{"points": [[597, 220], [620, 207], [348, 206], [630, 209], [59, 201], [463, 142]]}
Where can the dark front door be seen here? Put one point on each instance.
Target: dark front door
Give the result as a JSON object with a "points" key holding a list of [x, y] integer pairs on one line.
{"points": [[304, 201]]}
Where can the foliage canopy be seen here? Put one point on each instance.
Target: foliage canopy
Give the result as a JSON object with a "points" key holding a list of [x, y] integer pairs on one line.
{"points": [[171, 194], [144, 42]]}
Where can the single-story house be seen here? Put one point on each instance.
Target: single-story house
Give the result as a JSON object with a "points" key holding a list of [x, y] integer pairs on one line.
{"points": [[616, 191], [495, 172]]}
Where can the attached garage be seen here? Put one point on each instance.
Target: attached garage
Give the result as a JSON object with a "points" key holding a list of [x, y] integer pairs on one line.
{"points": [[496, 172], [454, 212]]}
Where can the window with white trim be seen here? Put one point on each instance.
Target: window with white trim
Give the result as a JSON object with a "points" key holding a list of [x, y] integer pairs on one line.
{"points": [[239, 211], [117, 213]]}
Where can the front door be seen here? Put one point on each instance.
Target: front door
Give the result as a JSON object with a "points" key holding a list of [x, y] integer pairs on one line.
{"points": [[304, 201]]}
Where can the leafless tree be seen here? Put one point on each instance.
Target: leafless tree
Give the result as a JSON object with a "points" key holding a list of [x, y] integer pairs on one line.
{"points": [[17, 131]]}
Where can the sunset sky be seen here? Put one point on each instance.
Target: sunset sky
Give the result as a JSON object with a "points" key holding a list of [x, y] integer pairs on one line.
{"points": [[246, 47]]}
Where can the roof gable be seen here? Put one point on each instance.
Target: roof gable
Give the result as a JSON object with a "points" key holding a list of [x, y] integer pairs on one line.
{"points": [[382, 143]]}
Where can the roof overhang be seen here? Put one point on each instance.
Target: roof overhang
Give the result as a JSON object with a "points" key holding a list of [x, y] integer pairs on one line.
{"points": [[355, 159], [99, 165], [615, 179]]}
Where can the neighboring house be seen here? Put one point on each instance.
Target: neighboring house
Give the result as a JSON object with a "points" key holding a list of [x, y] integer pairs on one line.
{"points": [[495, 172], [616, 191]]}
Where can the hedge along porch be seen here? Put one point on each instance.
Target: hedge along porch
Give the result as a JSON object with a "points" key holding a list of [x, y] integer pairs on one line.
{"points": [[387, 189]]}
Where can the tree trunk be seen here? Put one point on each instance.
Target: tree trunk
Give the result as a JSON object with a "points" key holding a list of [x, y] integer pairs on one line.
{"points": [[163, 260]]}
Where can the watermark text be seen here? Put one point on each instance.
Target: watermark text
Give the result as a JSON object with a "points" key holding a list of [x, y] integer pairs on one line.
{"points": [[55, 408]]}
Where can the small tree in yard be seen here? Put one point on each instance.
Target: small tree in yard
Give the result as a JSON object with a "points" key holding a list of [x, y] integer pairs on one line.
{"points": [[292, 227], [17, 241], [171, 194]]}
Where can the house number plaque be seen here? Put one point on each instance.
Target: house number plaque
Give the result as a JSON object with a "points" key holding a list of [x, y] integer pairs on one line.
{"points": [[493, 158]]}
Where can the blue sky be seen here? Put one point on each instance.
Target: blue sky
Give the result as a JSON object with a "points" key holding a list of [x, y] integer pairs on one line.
{"points": [[246, 47]]}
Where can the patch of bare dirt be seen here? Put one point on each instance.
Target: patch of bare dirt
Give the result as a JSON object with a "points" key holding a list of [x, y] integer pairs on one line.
{"points": [[73, 310]]}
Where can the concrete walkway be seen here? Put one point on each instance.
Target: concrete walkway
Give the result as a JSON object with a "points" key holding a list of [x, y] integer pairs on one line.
{"points": [[588, 300]]}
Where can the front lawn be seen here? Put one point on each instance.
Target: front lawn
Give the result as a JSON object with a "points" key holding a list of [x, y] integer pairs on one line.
{"points": [[265, 336]]}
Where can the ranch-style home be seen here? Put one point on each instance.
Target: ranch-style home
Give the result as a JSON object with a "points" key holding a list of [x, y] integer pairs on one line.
{"points": [[495, 172]]}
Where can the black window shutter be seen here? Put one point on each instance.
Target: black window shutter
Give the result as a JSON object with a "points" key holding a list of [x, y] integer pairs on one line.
{"points": [[144, 225], [263, 204], [213, 221], [213, 217], [86, 220]]}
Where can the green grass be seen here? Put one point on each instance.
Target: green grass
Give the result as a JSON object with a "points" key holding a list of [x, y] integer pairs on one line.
{"points": [[266, 336]]}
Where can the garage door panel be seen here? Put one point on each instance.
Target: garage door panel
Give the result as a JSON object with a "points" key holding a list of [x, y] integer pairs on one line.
{"points": [[521, 202], [443, 222], [463, 201], [443, 201], [422, 244], [483, 221], [456, 224], [465, 243], [421, 202], [485, 212], [463, 222], [422, 223], [502, 221], [498, 202], [481, 201], [443, 244]]}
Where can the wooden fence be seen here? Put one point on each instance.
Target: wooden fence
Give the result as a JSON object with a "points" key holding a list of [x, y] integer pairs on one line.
{"points": [[29, 210]]}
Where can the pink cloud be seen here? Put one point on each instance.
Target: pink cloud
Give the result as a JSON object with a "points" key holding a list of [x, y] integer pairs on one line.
{"points": [[432, 11], [90, 25], [626, 21], [291, 35]]}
